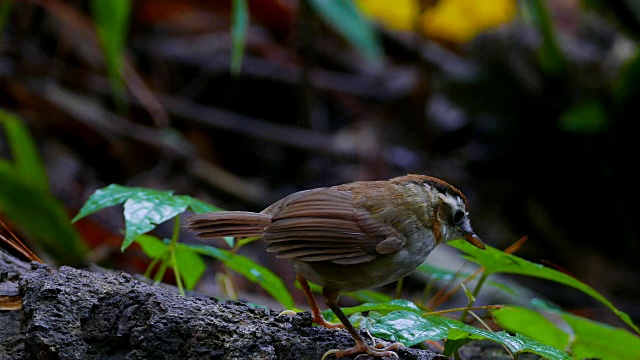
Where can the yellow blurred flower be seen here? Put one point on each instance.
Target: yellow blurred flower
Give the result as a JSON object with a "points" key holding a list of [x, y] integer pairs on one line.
{"points": [[452, 20], [395, 15]]}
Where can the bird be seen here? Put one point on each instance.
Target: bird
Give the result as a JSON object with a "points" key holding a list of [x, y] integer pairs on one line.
{"points": [[353, 236]]}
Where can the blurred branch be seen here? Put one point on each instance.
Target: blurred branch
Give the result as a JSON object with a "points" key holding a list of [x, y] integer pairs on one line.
{"points": [[80, 24]]}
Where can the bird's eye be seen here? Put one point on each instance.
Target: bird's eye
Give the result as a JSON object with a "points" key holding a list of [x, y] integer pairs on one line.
{"points": [[458, 215]]}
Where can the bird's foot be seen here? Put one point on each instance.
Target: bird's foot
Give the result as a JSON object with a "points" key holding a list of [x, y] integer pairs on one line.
{"points": [[377, 350], [320, 320]]}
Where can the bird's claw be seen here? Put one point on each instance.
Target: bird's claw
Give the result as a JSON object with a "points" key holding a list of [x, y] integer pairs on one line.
{"points": [[320, 320], [378, 350], [382, 344]]}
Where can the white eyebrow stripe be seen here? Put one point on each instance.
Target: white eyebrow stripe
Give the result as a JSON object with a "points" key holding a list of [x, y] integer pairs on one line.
{"points": [[455, 202], [448, 199]]}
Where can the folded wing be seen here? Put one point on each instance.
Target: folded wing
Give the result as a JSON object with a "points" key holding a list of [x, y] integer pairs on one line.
{"points": [[325, 225]]}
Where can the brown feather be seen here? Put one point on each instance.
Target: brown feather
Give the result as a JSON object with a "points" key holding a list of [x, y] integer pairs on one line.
{"points": [[326, 225], [228, 223]]}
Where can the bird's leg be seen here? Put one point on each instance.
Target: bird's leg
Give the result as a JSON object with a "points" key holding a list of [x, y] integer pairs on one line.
{"points": [[315, 310], [331, 298]]}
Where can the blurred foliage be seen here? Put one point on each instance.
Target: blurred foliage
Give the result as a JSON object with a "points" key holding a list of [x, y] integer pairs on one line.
{"points": [[239, 27], [345, 18], [111, 18], [5, 11], [25, 197]]}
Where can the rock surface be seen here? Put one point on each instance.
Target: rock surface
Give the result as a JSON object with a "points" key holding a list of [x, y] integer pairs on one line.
{"points": [[79, 314]]}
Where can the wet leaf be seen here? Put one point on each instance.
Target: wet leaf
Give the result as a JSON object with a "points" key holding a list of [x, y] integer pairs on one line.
{"points": [[144, 214], [144, 208], [411, 328]]}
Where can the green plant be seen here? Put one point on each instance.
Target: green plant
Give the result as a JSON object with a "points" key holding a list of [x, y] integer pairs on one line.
{"points": [[144, 209], [25, 197], [239, 26], [111, 19]]}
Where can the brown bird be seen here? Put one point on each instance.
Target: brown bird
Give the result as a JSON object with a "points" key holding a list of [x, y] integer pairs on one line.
{"points": [[353, 236]]}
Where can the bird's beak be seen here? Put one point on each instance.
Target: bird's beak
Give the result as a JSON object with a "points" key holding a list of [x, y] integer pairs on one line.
{"points": [[470, 236], [473, 239]]}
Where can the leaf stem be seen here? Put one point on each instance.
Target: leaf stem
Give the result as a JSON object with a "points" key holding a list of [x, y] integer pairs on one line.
{"points": [[475, 292], [157, 278], [152, 264], [172, 251], [399, 288]]}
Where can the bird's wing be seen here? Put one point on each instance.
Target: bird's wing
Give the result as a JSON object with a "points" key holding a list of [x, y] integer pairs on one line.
{"points": [[324, 225]]}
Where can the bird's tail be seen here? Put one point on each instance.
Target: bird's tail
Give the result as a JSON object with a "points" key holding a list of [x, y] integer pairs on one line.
{"points": [[228, 223]]}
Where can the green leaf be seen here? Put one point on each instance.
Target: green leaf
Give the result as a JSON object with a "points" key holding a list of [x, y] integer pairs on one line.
{"points": [[456, 339], [197, 206], [191, 265], [26, 157], [144, 208], [532, 324], [112, 23], [252, 271], [152, 246], [41, 216], [115, 194], [144, 214], [411, 328], [593, 340], [239, 26], [346, 19], [496, 261], [111, 195]]}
